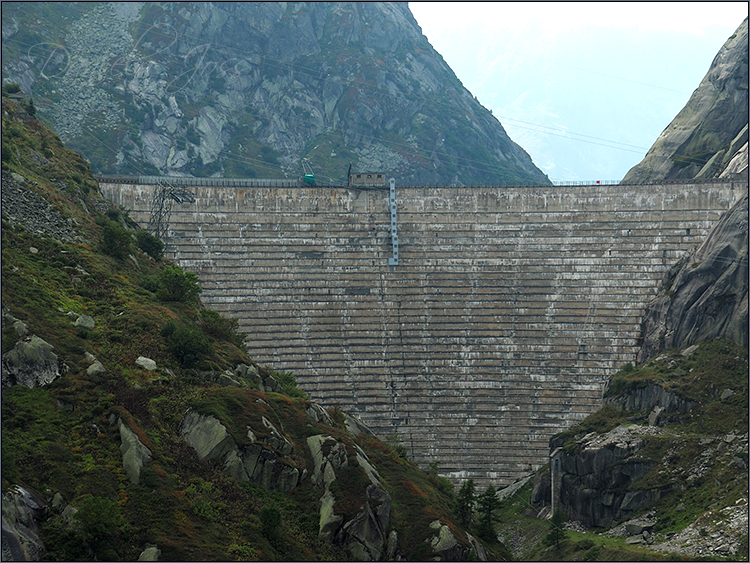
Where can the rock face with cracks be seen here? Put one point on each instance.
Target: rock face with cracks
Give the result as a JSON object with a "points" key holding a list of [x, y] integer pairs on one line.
{"points": [[254, 463], [366, 534], [705, 295], [711, 130], [246, 89]]}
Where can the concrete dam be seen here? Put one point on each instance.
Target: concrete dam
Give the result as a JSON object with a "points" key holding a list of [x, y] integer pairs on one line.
{"points": [[469, 323]]}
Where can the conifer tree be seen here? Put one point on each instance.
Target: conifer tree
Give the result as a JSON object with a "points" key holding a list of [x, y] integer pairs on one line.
{"points": [[465, 502], [488, 503]]}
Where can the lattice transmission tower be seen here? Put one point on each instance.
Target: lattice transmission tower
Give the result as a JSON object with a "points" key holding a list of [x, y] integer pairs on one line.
{"points": [[161, 207]]}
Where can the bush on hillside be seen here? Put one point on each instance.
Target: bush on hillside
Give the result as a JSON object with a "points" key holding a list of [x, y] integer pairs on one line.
{"points": [[187, 345], [221, 327], [288, 383], [150, 244], [11, 88], [175, 284], [115, 241]]}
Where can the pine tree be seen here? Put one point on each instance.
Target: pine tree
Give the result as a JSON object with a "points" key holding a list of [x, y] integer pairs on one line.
{"points": [[557, 531], [488, 503], [465, 502]]}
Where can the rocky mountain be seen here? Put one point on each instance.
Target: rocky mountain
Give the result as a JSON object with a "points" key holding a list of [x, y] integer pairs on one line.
{"points": [[135, 426], [249, 89], [710, 134], [664, 463]]}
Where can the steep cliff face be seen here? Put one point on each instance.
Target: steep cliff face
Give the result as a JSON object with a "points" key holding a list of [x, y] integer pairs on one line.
{"points": [[705, 295], [668, 449], [250, 88], [711, 129]]}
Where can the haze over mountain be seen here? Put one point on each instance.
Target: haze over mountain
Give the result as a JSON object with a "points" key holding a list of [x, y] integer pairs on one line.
{"points": [[709, 136], [250, 89], [584, 87]]}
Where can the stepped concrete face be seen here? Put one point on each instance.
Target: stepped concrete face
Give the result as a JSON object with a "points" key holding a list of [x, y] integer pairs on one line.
{"points": [[507, 311]]}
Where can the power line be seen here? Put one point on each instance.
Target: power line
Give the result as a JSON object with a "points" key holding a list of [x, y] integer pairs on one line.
{"points": [[427, 102], [422, 154]]}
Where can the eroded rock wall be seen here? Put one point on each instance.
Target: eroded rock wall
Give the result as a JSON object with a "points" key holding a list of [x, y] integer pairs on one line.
{"points": [[705, 295]]}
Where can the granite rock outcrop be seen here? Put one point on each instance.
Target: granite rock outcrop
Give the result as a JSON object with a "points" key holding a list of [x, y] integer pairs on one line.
{"points": [[705, 295], [711, 130], [255, 462], [245, 89]]}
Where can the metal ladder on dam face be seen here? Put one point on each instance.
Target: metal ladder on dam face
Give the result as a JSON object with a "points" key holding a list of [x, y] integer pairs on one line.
{"points": [[393, 261]]}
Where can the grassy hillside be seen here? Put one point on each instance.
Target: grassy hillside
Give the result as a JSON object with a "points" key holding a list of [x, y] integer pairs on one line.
{"points": [[68, 255]]}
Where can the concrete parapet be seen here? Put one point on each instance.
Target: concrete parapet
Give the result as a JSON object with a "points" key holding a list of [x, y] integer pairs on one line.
{"points": [[507, 311]]}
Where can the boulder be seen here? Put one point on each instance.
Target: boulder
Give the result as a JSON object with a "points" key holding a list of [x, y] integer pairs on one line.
{"points": [[254, 463], [444, 540], [329, 523], [22, 512], [134, 454], [97, 368], [21, 328], [263, 467], [146, 363], [249, 372], [32, 363], [206, 435], [84, 321], [319, 414], [151, 553], [276, 441], [356, 427]]}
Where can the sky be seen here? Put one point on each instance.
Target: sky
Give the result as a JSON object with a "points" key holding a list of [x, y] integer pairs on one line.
{"points": [[584, 87]]}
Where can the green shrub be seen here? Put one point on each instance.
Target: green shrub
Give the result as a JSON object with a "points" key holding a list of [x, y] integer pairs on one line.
{"points": [[288, 383], [7, 153], [270, 519], [223, 328], [11, 88], [150, 244], [168, 329], [150, 283], [100, 522], [178, 285], [115, 241], [187, 345]]}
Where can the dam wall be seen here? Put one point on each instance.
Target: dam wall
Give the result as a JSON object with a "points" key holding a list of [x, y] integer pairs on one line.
{"points": [[507, 310]]}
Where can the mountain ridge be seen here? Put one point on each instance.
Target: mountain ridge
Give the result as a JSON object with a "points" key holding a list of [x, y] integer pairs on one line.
{"points": [[249, 90]]}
